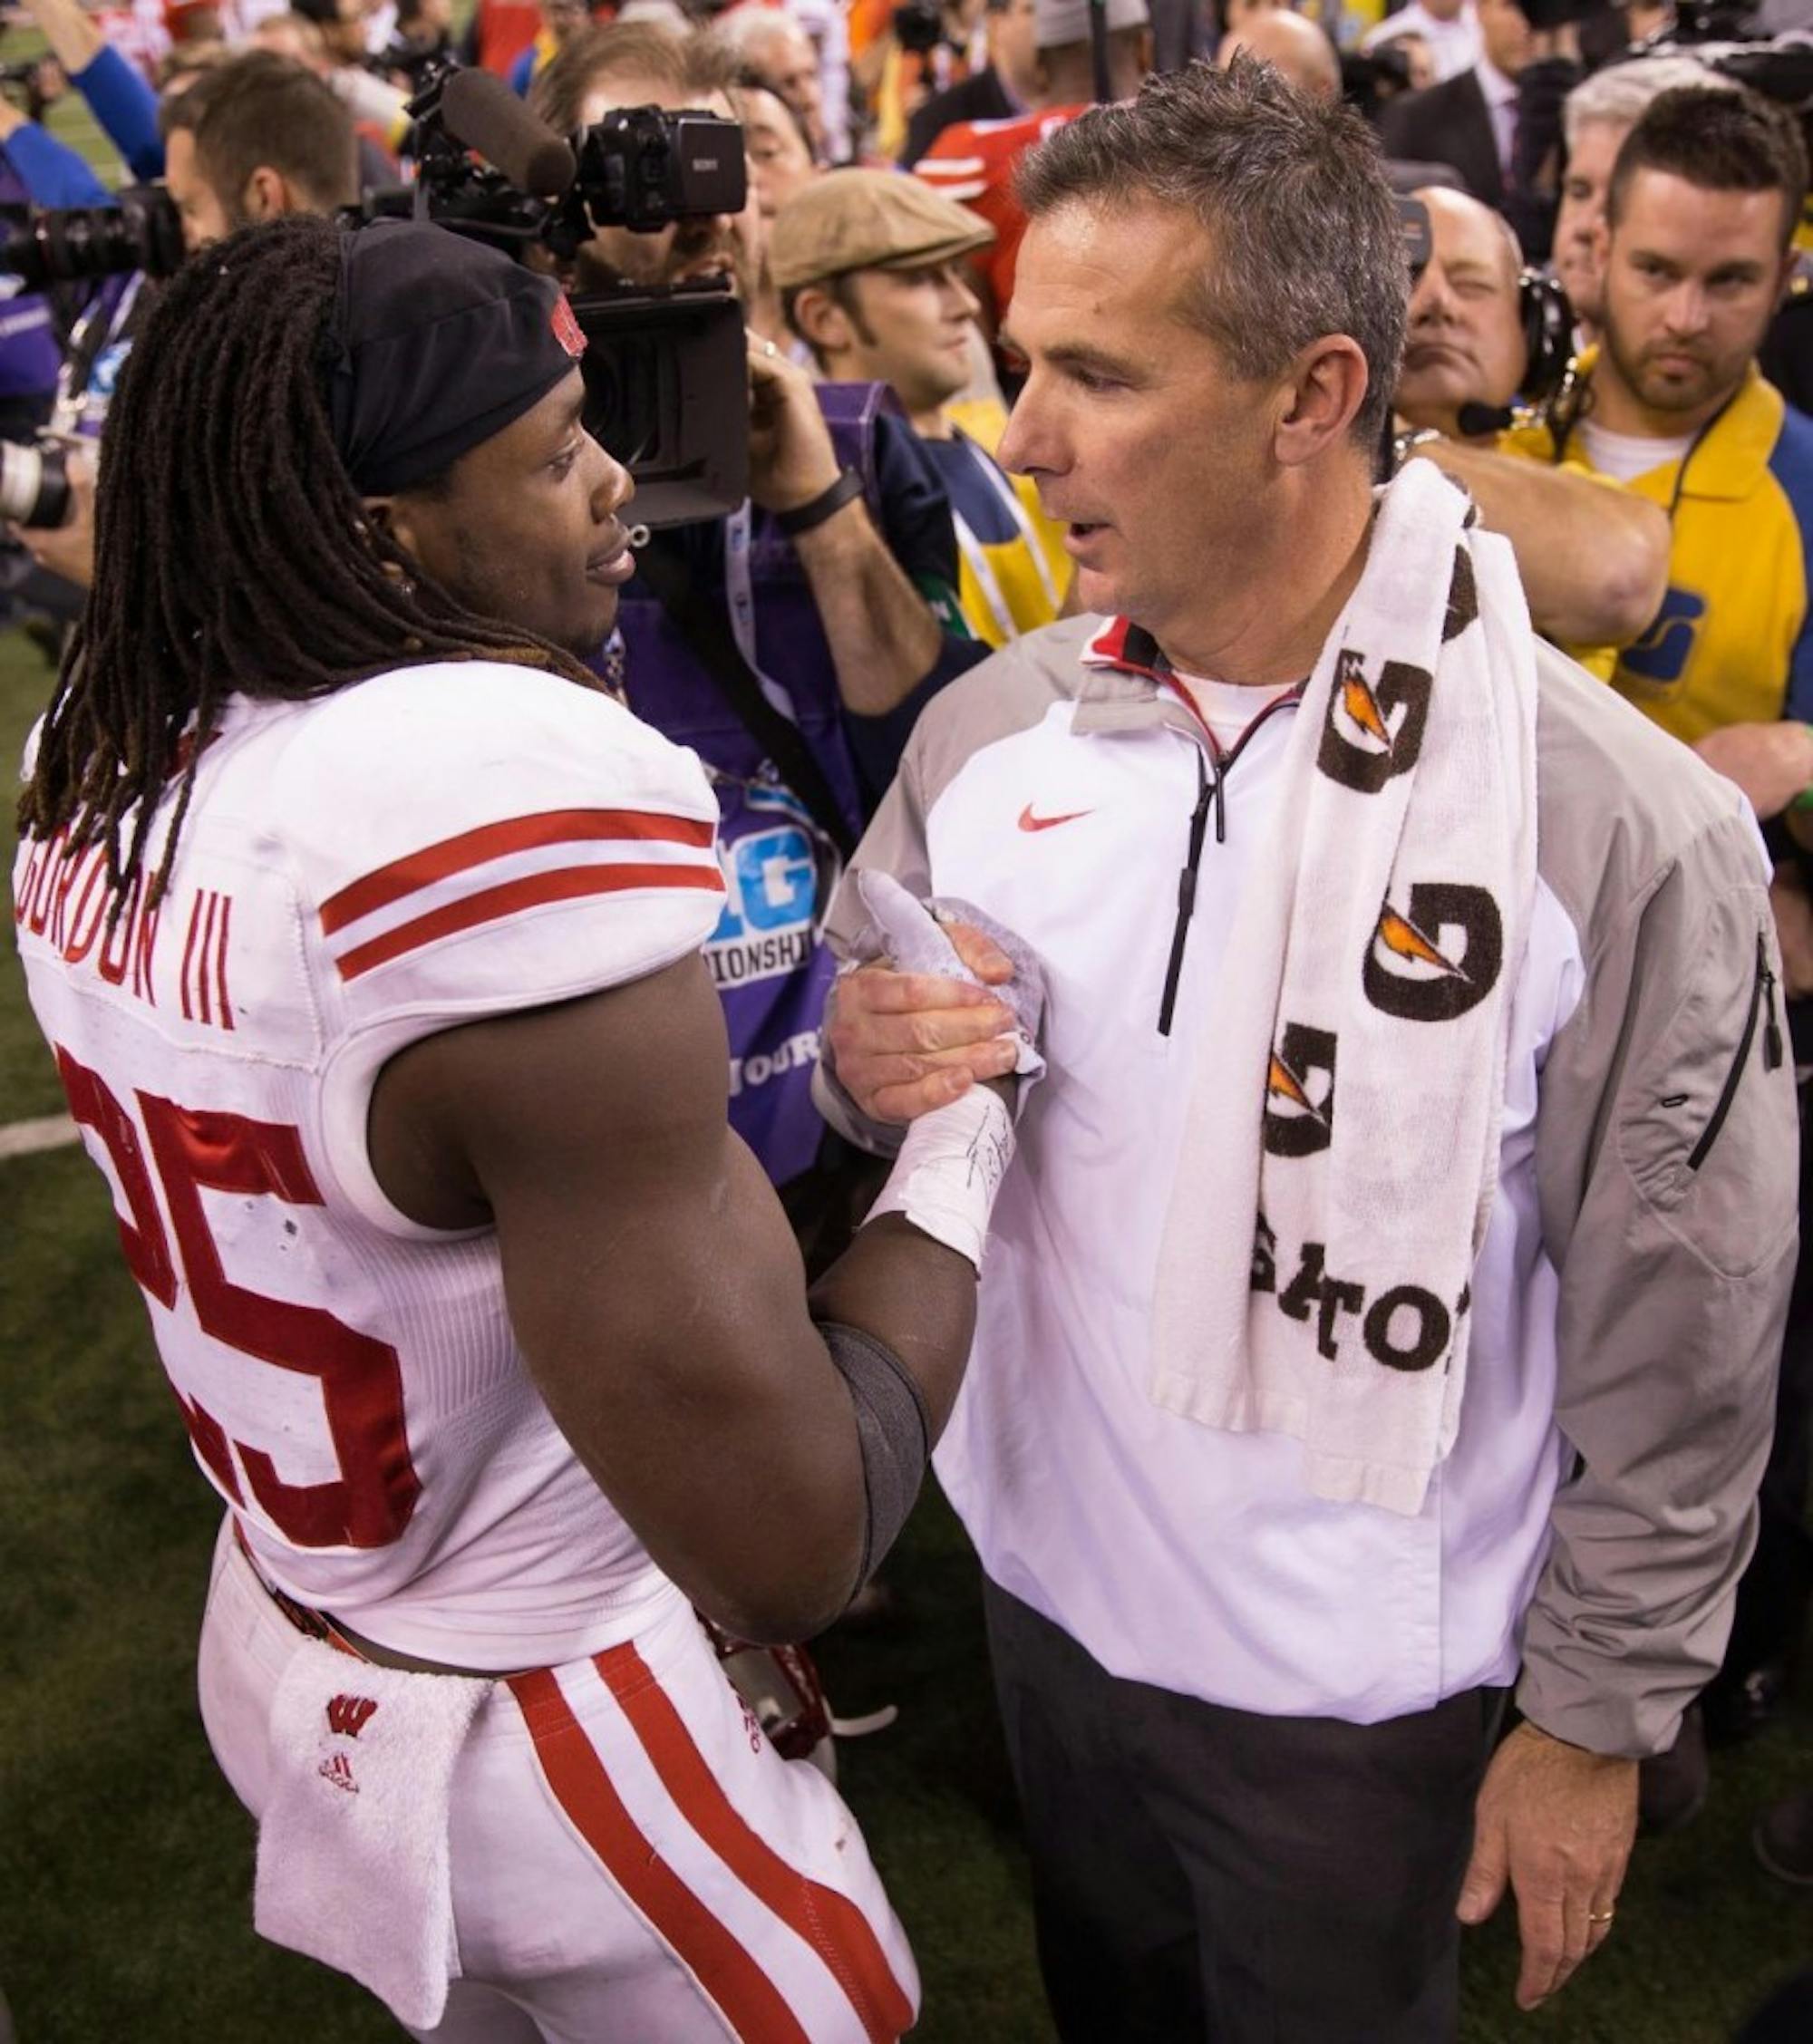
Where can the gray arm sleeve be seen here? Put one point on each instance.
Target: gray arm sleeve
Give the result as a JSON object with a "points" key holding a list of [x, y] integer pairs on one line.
{"points": [[894, 1430]]}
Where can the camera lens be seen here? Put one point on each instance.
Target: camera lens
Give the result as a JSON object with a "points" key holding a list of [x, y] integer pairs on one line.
{"points": [[34, 484]]}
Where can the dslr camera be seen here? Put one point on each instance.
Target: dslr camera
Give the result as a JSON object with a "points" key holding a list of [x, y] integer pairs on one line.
{"points": [[47, 246]]}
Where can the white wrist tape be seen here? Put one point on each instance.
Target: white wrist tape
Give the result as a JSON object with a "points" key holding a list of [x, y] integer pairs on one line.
{"points": [[949, 1169]]}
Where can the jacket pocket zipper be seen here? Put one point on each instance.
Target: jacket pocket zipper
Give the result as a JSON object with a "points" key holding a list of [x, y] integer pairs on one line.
{"points": [[1762, 993]]}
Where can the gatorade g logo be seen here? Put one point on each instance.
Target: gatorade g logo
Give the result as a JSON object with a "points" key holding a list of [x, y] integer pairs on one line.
{"points": [[1300, 1092], [1373, 732], [1438, 958], [1463, 597], [1660, 657]]}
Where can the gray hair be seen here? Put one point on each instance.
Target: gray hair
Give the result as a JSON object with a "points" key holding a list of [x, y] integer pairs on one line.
{"points": [[1620, 95], [1304, 228]]}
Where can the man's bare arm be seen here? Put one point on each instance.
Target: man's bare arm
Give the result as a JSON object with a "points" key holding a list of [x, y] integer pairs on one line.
{"points": [[883, 636], [656, 1289], [1594, 558], [74, 39]]}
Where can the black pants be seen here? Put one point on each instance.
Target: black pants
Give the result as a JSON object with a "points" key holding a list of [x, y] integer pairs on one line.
{"points": [[1776, 1587], [1202, 1872]]}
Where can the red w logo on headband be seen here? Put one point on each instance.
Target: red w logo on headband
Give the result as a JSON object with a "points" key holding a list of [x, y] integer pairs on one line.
{"points": [[567, 329]]}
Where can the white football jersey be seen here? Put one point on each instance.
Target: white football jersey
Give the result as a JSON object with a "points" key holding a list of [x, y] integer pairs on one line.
{"points": [[438, 844]]}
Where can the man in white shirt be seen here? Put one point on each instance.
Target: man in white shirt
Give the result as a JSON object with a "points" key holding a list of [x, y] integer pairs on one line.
{"points": [[1250, 1645]]}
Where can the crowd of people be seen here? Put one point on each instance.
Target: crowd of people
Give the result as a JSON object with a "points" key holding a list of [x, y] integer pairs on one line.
{"points": [[1276, 570]]}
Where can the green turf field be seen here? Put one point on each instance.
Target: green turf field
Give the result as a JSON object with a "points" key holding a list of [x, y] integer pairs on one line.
{"points": [[125, 1864]]}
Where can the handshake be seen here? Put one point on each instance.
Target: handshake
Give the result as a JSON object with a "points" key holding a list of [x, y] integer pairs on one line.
{"points": [[935, 998]]}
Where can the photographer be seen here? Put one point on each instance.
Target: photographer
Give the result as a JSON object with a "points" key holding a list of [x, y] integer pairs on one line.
{"points": [[792, 645], [1594, 559], [82, 367]]}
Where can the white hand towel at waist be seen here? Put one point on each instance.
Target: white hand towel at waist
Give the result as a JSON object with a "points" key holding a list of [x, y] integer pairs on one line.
{"points": [[1341, 1147], [353, 1860]]}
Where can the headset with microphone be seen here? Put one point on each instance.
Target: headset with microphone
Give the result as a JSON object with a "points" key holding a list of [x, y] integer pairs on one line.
{"points": [[1547, 322]]}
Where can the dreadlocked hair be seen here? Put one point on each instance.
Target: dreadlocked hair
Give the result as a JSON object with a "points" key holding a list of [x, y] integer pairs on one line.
{"points": [[232, 554]]}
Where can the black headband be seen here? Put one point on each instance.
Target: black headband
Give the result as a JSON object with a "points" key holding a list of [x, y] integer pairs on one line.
{"points": [[436, 343]]}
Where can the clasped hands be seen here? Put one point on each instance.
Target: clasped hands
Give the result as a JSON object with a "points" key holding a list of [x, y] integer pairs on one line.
{"points": [[903, 1043]]}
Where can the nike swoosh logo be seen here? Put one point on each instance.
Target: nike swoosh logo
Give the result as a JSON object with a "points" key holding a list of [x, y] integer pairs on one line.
{"points": [[1028, 822]]}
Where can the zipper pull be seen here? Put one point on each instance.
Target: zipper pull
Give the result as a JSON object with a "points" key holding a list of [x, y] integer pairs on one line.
{"points": [[1772, 1029]]}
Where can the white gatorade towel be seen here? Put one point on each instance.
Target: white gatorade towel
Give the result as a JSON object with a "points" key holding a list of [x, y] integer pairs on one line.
{"points": [[353, 1859], [1342, 1134]]}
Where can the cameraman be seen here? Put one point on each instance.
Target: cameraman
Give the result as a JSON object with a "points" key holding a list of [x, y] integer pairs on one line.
{"points": [[1594, 559], [822, 642]]}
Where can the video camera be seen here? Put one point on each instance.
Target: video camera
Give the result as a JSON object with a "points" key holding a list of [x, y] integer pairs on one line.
{"points": [[666, 380]]}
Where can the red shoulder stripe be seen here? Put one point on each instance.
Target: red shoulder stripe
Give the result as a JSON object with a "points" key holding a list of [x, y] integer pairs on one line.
{"points": [[495, 840], [567, 883]]}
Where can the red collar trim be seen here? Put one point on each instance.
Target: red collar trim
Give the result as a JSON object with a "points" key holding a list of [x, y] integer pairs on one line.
{"points": [[1121, 642]]}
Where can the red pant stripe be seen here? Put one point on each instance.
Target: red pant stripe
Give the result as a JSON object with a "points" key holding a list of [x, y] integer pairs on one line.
{"points": [[829, 1923], [750, 2001]]}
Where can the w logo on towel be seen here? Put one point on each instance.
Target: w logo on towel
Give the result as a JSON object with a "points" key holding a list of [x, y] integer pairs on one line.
{"points": [[1374, 731], [348, 1715]]}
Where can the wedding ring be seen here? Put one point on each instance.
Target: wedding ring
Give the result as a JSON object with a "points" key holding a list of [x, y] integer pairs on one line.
{"points": [[1600, 1916]]}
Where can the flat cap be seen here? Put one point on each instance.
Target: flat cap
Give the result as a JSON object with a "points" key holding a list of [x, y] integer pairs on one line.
{"points": [[868, 221]]}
